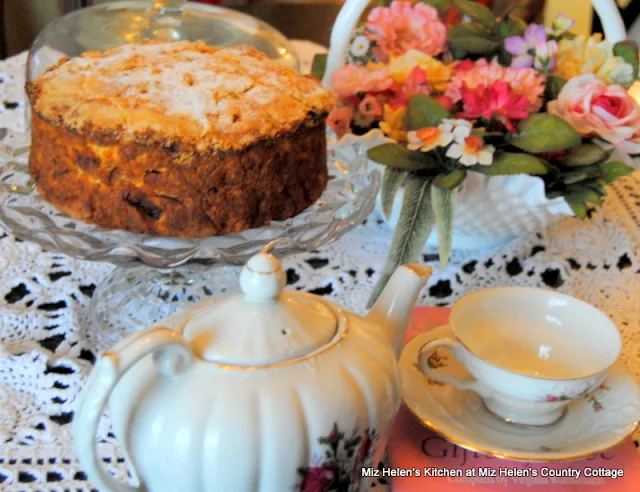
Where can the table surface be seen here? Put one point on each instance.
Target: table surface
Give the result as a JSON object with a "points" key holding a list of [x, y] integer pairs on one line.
{"points": [[43, 297]]}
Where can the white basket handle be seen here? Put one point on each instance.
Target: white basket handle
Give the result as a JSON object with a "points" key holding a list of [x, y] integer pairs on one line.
{"points": [[352, 10]]}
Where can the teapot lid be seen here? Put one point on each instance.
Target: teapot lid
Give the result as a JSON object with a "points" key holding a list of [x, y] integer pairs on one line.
{"points": [[263, 325]]}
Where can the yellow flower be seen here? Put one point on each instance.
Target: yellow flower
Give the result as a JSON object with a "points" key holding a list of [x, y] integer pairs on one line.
{"points": [[438, 74], [392, 123], [591, 55], [372, 66]]}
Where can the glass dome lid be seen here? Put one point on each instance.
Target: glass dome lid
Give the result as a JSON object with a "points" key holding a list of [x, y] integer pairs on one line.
{"points": [[108, 25]]}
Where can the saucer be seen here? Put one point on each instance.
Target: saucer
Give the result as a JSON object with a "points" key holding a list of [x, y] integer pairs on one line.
{"points": [[593, 424]]}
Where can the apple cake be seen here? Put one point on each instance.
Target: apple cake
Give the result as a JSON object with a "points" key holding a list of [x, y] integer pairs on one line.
{"points": [[178, 139]]}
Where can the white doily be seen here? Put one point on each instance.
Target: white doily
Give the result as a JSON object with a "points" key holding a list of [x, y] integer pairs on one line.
{"points": [[43, 362]]}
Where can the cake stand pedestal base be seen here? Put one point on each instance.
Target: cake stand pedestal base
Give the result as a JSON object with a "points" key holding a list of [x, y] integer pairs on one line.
{"points": [[132, 299]]}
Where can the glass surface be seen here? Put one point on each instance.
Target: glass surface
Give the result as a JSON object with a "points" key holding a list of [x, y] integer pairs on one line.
{"points": [[166, 273], [113, 24]]}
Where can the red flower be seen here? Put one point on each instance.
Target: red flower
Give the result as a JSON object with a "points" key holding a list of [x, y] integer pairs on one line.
{"points": [[319, 478], [416, 83], [465, 65], [496, 101], [446, 102]]}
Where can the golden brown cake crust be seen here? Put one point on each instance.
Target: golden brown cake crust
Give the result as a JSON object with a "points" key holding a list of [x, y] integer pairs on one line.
{"points": [[178, 139], [158, 191], [184, 93]]}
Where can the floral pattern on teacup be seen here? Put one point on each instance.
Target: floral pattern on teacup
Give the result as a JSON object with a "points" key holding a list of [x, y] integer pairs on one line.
{"points": [[595, 403], [435, 361], [553, 398], [597, 406]]}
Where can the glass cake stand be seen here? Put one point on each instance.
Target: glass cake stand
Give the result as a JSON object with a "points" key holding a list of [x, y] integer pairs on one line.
{"points": [[156, 276]]}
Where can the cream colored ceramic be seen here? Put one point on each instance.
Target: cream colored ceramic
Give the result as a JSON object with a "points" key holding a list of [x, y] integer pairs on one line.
{"points": [[266, 391], [594, 423], [530, 351]]}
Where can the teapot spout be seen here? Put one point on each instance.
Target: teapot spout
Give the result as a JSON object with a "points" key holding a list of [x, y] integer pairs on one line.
{"points": [[392, 311]]}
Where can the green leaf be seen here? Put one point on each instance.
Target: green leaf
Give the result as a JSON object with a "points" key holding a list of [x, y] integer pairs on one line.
{"points": [[424, 112], [572, 178], [392, 179], [319, 66], [439, 5], [577, 206], [399, 157], [614, 170], [383, 3], [477, 12], [443, 209], [506, 163], [584, 155], [553, 87], [451, 180], [511, 27], [473, 39], [628, 51], [414, 226], [584, 195], [543, 132], [597, 187]]}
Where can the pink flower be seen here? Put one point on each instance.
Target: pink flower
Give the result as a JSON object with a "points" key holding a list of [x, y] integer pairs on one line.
{"points": [[551, 398], [525, 82], [401, 27], [494, 102], [416, 83], [596, 109], [532, 50], [339, 120], [352, 79]]}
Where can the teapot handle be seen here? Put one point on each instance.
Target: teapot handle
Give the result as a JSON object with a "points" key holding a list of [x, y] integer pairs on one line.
{"points": [[172, 355], [352, 10]]}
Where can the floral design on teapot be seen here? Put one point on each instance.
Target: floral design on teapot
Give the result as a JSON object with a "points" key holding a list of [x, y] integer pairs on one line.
{"points": [[340, 468]]}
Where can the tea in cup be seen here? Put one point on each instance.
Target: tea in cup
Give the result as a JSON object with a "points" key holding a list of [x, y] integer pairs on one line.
{"points": [[530, 351]]}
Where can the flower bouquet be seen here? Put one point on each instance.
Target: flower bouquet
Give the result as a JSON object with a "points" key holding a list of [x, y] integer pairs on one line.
{"points": [[460, 92]]}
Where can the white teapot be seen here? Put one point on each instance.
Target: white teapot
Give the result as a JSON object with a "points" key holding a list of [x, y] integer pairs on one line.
{"points": [[265, 391]]}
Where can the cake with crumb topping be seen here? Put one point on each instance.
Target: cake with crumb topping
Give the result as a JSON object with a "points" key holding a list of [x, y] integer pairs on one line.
{"points": [[178, 139]]}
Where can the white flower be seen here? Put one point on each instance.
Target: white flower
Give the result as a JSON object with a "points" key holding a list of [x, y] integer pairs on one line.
{"points": [[470, 150], [359, 46], [427, 139], [622, 74], [458, 124]]}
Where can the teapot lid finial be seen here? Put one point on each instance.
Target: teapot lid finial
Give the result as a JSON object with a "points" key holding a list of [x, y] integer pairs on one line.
{"points": [[262, 278]]}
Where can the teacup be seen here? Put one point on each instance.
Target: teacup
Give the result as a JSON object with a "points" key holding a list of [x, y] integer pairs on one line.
{"points": [[531, 351]]}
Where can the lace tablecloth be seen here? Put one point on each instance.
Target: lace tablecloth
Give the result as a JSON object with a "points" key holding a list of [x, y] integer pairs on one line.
{"points": [[43, 296]]}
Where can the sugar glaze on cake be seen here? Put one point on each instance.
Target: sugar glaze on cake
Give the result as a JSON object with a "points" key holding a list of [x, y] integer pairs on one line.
{"points": [[180, 138]]}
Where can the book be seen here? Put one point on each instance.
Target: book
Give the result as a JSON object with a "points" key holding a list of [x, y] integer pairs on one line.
{"points": [[414, 450]]}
